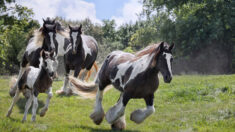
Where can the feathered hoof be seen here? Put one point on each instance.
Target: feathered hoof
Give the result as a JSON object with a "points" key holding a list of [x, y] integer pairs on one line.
{"points": [[120, 124], [60, 92], [43, 112], [97, 117], [137, 116]]}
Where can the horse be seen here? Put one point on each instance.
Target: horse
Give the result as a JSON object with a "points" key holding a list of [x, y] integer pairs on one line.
{"points": [[82, 55], [43, 39], [135, 76], [36, 80]]}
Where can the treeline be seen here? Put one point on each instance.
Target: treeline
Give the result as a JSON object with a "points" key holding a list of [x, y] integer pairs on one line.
{"points": [[201, 30]]}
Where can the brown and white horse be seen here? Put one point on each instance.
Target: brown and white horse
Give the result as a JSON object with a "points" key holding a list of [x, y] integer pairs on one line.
{"points": [[82, 55], [135, 76], [36, 80]]}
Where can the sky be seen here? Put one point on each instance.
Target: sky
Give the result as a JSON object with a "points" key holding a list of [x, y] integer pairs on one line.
{"points": [[122, 11]]}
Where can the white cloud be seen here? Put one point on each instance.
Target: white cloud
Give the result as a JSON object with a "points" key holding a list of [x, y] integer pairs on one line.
{"points": [[69, 9], [128, 12]]}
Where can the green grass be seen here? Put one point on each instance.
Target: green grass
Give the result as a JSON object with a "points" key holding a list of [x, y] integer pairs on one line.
{"points": [[189, 103]]}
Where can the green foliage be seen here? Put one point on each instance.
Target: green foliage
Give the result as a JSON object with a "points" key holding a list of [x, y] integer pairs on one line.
{"points": [[15, 27]]}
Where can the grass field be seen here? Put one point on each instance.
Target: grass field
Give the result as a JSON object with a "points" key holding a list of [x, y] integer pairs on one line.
{"points": [[189, 103]]}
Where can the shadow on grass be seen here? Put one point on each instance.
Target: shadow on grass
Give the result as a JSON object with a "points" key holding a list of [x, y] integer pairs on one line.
{"points": [[102, 130], [22, 102]]}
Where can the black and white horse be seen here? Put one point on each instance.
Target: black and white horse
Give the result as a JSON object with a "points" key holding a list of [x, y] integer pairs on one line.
{"points": [[82, 55], [43, 39], [36, 80], [135, 76]]}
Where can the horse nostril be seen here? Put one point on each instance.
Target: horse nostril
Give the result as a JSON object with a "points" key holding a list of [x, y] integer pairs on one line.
{"points": [[51, 74]]}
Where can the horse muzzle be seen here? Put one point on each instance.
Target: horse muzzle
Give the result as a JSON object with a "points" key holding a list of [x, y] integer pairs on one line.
{"points": [[167, 79], [74, 52]]}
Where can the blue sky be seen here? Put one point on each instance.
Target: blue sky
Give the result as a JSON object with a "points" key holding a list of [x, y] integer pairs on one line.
{"points": [[122, 11]]}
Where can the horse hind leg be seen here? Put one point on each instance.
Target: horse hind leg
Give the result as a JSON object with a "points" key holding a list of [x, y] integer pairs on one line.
{"points": [[22, 70], [15, 99], [138, 116], [98, 114]]}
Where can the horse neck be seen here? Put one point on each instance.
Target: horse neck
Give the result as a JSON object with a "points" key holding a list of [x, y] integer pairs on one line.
{"points": [[43, 74], [63, 43]]}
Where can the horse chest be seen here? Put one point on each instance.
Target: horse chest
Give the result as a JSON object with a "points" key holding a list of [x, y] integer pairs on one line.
{"points": [[42, 84]]}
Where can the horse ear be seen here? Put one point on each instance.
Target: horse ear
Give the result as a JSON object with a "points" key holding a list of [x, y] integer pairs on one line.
{"points": [[42, 53], [172, 46], [43, 20], [161, 46], [52, 53], [70, 27], [53, 21], [80, 29]]}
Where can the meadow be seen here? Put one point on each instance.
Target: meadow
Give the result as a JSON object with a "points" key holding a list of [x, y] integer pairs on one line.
{"points": [[188, 103]]}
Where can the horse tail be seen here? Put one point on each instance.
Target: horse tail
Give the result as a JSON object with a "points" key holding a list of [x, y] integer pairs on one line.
{"points": [[86, 90], [12, 83]]}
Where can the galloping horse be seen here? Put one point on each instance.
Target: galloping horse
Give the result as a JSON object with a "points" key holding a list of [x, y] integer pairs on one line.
{"points": [[82, 55], [36, 80], [135, 76], [43, 39]]}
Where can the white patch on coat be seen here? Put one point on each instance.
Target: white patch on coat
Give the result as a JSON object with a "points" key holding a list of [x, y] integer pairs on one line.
{"points": [[52, 40], [50, 67], [32, 46], [138, 66], [60, 39], [74, 36], [87, 50], [168, 60], [32, 76]]}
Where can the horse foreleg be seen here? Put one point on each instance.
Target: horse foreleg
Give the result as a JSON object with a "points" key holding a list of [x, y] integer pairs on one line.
{"points": [[119, 124], [98, 114], [138, 116], [35, 107], [63, 89], [118, 109], [15, 99], [27, 106], [45, 108]]}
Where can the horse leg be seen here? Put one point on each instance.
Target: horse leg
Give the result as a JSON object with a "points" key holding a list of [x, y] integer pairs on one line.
{"points": [[15, 99], [115, 112], [63, 90], [138, 116], [84, 74], [27, 106], [45, 108], [35, 107], [98, 114]]}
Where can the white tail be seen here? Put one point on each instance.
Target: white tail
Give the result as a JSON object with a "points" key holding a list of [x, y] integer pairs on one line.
{"points": [[86, 90], [11, 85]]}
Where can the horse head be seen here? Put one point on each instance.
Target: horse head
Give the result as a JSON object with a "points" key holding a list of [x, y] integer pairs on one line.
{"points": [[49, 32], [47, 61], [164, 61], [75, 37]]}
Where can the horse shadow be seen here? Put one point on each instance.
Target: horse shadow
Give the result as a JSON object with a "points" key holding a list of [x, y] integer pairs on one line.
{"points": [[22, 102], [103, 130]]}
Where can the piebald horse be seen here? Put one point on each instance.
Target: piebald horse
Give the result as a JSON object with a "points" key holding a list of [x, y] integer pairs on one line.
{"points": [[135, 76], [36, 80], [82, 55], [43, 39]]}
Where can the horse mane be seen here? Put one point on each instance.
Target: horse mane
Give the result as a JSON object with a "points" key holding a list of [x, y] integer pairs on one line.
{"points": [[64, 33], [38, 36], [147, 50]]}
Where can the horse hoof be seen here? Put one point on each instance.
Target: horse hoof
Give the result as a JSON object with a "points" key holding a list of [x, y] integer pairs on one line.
{"points": [[8, 114], [60, 92], [120, 124], [137, 116], [43, 112], [97, 117]]}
